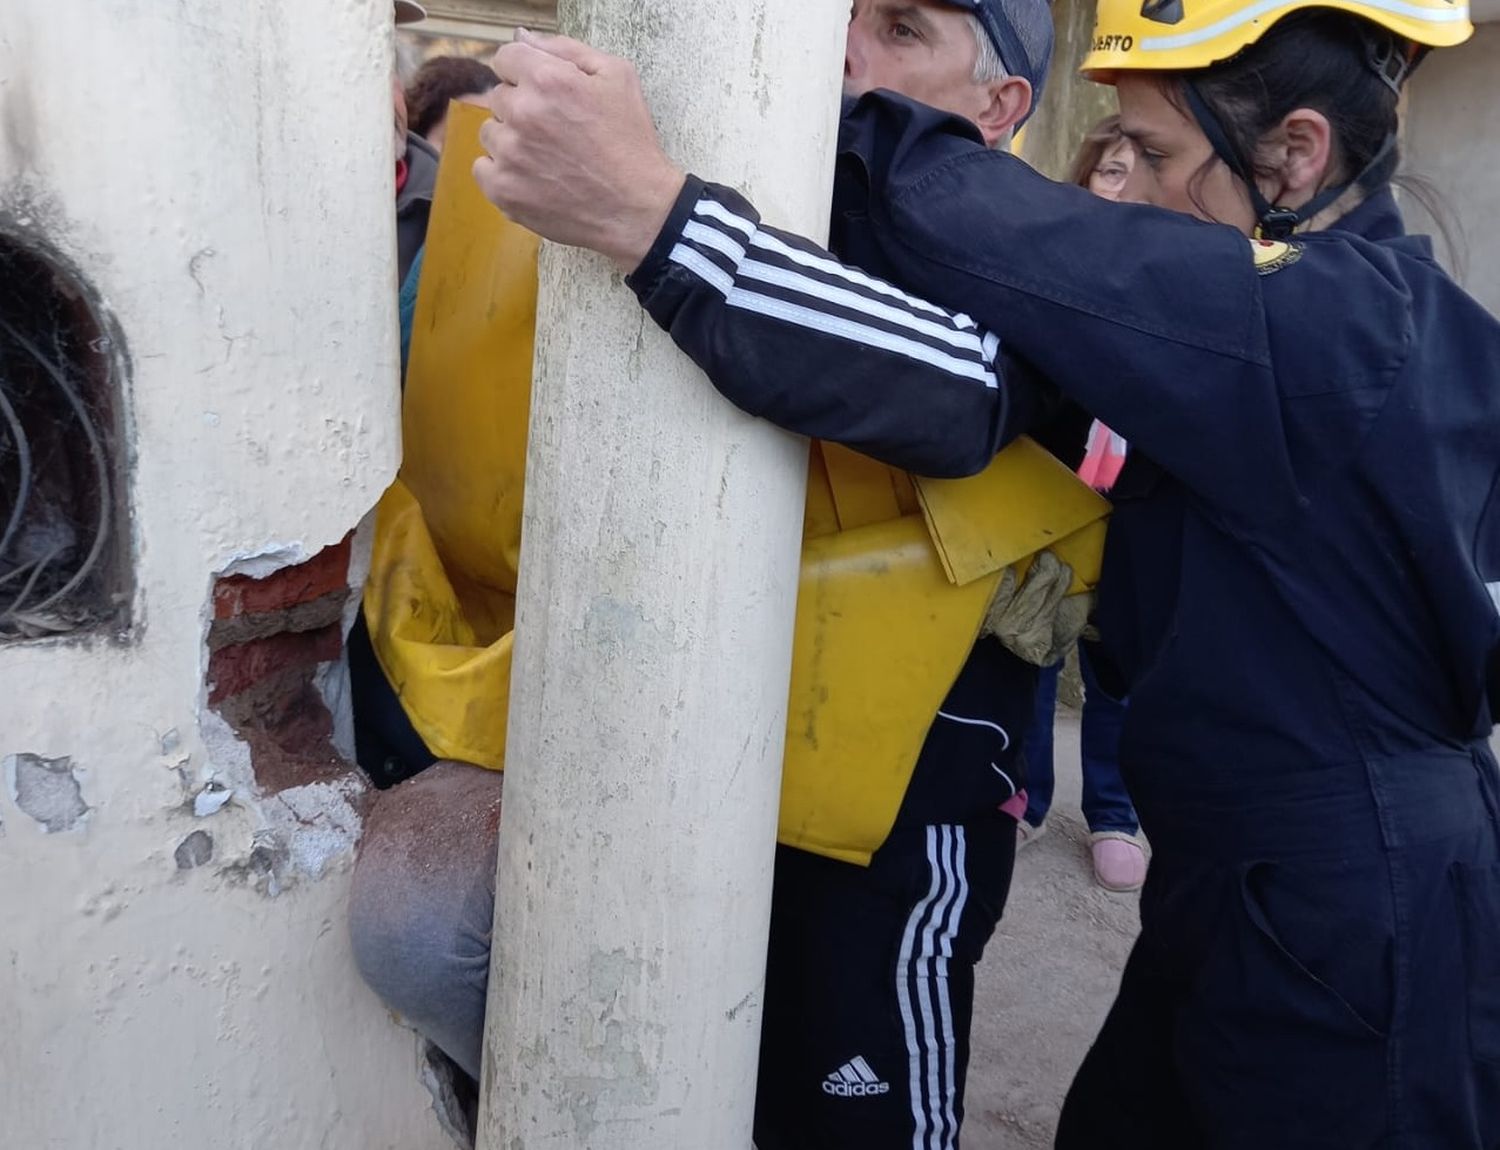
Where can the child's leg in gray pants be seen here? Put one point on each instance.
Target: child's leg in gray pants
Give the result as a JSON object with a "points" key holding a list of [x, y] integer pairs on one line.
{"points": [[423, 900]]}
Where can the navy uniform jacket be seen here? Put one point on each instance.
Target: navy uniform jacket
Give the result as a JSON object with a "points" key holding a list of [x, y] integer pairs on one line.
{"points": [[1304, 564]]}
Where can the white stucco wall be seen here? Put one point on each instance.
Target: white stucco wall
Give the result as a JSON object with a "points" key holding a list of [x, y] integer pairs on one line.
{"points": [[1453, 140], [220, 171]]}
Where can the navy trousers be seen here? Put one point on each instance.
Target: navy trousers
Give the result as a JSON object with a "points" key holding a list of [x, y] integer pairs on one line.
{"points": [[1318, 969]]}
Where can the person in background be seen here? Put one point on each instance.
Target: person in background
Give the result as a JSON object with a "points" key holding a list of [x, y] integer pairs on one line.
{"points": [[1103, 164], [1104, 161], [416, 165], [440, 80]]}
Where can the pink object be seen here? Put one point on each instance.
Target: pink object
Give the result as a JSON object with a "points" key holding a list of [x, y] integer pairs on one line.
{"points": [[1015, 806], [1119, 862], [1103, 458]]}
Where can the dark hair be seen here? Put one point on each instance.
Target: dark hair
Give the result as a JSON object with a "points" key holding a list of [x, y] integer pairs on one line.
{"points": [[439, 80], [1318, 59], [1101, 138]]}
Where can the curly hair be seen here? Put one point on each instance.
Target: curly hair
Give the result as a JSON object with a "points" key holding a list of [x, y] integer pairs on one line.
{"points": [[439, 80]]}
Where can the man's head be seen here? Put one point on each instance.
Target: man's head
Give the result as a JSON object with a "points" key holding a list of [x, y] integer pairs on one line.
{"points": [[406, 12], [442, 79], [985, 60]]}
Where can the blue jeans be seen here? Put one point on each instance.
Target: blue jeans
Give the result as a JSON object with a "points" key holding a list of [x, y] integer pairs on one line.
{"points": [[1106, 803]]}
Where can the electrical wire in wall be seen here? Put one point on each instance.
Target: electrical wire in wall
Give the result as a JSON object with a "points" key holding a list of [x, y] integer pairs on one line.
{"points": [[57, 493]]}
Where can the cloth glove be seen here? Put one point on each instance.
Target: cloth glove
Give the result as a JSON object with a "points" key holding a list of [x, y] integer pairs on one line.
{"points": [[1035, 617]]}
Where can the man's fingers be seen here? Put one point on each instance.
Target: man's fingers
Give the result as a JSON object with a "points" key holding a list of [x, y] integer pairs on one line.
{"points": [[525, 60], [520, 63], [487, 168], [498, 101], [489, 137], [483, 171], [494, 184], [584, 57]]}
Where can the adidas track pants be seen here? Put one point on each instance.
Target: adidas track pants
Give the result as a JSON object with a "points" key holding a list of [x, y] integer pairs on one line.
{"points": [[870, 989]]}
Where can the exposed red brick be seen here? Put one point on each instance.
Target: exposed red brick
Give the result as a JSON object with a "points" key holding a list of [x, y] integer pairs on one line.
{"points": [[235, 669], [325, 572], [310, 616], [267, 641], [289, 732]]}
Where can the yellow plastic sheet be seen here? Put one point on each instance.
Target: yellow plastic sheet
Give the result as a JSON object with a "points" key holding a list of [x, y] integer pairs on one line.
{"points": [[881, 636], [888, 609], [440, 600], [896, 576], [1025, 501]]}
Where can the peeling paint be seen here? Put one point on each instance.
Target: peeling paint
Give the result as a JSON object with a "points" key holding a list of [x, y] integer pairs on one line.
{"points": [[300, 833], [317, 822], [211, 799], [194, 851], [228, 757], [47, 790], [266, 560]]}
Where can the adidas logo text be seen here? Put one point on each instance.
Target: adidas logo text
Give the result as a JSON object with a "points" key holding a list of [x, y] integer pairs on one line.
{"points": [[855, 1079]]}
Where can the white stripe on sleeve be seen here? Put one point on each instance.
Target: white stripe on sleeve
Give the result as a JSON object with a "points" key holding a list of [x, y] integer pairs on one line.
{"points": [[830, 308], [766, 242], [872, 337], [805, 285], [704, 268], [713, 238], [717, 211]]}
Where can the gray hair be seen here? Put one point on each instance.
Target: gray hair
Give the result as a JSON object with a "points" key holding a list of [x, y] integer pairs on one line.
{"points": [[988, 67]]}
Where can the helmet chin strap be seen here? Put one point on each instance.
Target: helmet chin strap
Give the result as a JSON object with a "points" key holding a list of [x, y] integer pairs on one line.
{"points": [[1389, 58]]}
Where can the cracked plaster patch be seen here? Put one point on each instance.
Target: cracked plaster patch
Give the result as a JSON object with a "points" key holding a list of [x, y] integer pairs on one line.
{"points": [[47, 790], [194, 851], [299, 833], [318, 823]]}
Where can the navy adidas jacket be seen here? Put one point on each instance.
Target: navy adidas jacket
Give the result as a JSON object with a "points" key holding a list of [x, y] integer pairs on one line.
{"points": [[1304, 563]]}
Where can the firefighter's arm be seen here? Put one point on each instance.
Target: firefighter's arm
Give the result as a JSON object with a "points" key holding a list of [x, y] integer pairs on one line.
{"points": [[1153, 321]]}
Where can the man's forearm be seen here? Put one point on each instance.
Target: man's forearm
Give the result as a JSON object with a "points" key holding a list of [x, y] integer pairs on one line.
{"points": [[781, 327], [788, 333]]}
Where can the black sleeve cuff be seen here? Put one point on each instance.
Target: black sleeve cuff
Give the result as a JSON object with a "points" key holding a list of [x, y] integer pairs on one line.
{"points": [[644, 280]]}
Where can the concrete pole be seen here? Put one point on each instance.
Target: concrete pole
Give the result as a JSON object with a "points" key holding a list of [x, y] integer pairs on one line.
{"points": [[653, 641]]}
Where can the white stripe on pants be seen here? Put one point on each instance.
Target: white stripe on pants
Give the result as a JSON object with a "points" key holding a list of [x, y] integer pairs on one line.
{"points": [[922, 973]]}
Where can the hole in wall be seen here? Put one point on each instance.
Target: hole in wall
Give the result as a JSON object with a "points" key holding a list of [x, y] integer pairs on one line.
{"points": [[270, 641], [64, 562]]}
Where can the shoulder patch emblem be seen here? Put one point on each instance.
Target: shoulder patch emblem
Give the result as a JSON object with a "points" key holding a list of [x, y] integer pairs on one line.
{"points": [[1272, 255]]}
